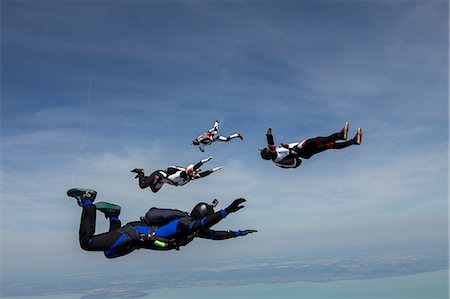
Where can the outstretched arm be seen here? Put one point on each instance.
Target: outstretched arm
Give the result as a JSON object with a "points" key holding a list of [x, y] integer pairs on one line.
{"points": [[206, 222], [199, 164], [207, 172], [271, 144], [215, 128], [235, 135], [223, 235]]}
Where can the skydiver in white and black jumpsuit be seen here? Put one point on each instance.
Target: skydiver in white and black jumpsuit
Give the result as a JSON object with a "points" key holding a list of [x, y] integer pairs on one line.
{"points": [[173, 175], [288, 155], [211, 136]]}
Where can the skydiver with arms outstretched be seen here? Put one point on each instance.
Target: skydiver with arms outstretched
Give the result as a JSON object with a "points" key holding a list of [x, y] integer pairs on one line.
{"points": [[173, 175], [211, 136], [288, 155], [159, 229]]}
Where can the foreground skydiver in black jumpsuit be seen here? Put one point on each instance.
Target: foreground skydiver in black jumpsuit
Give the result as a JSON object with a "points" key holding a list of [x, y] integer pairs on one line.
{"points": [[165, 232]]}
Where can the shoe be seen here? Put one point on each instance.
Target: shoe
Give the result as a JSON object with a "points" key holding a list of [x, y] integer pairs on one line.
{"points": [[240, 136], [344, 131], [82, 195], [138, 171], [110, 210], [358, 137]]}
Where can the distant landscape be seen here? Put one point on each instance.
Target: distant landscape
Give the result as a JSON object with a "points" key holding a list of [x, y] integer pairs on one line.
{"points": [[137, 284]]}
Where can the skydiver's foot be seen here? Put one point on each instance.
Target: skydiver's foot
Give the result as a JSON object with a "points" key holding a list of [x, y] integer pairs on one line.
{"points": [[358, 137], [110, 210], [344, 131], [138, 171], [240, 136], [82, 195]]}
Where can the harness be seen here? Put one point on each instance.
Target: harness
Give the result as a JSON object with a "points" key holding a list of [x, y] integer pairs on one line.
{"points": [[137, 233]]}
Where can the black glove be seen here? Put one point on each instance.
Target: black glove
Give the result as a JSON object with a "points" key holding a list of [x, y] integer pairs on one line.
{"points": [[245, 232], [235, 205]]}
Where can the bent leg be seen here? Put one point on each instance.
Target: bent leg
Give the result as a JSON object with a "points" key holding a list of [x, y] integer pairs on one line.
{"points": [[89, 241], [332, 138], [151, 181], [345, 144], [310, 147]]}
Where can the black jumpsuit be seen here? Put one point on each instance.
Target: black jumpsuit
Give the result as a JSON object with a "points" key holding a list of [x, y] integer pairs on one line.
{"points": [[135, 235]]}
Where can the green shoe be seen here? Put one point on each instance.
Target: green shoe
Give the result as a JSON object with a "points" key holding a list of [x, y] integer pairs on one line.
{"points": [[109, 209]]}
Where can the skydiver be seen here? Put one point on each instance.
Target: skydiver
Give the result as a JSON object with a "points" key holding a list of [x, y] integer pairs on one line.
{"points": [[179, 230], [288, 155], [173, 175], [212, 136]]}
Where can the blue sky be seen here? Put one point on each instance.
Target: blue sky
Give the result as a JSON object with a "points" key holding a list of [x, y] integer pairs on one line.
{"points": [[91, 90]]}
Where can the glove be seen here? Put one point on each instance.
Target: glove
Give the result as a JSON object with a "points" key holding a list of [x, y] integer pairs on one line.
{"points": [[206, 160], [235, 205], [245, 232], [269, 131], [216, 168]]}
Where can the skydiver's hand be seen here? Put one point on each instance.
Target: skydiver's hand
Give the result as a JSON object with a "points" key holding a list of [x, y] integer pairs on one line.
{"points": [[206, 159], [245, 232], [269, 131], [216, 168], [235, 206]]}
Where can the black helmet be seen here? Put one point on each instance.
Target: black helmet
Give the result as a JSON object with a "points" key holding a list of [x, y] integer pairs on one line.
{"points": [[202, 210], [265, 153], [195, 142]]}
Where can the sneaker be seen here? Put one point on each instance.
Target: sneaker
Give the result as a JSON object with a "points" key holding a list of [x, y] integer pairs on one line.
{"points": [[109, 209], [358, 137], [344, 131], [138, 171], [82, 195]]}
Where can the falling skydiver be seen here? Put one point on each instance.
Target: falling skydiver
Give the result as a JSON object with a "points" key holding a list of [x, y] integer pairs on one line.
{"points": [[211, 136], [160, 229], [173, 175], [288, 155]]}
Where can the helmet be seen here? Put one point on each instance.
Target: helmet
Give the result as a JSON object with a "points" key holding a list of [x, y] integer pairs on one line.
{"points": [[202, 210], [265, 153], [195, 142]]}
